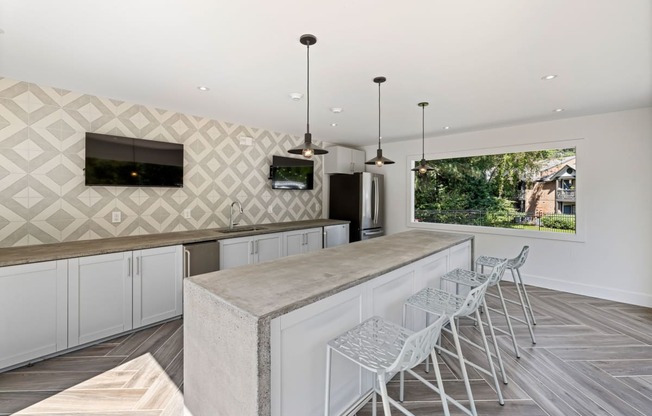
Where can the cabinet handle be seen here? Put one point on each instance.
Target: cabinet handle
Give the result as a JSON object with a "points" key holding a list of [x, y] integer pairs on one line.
{"points": [[187, 263], [256, 246], [138, 265], [129, 267], [252, 248]]}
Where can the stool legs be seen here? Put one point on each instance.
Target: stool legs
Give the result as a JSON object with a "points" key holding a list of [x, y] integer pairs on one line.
{"points": [[329, 353], [492, 369], [383, 393], [527, 298], [465, 376], [523, 305], [509, 321], [495, 342]]}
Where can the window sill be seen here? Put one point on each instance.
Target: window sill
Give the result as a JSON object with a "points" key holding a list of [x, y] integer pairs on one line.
{"points": [[473, 229]]}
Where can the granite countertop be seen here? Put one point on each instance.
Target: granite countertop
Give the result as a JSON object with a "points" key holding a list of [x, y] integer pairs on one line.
{"points": [[276, 287], [45, 252]]}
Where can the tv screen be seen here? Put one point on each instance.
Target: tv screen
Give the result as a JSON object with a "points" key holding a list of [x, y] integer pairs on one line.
{"points": [[124, 161], [289, 173]]}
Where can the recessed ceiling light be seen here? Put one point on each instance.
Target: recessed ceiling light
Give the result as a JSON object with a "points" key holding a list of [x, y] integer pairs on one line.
{"points": [[336, 110], [447, 127], [203, 88], [548, 77], [333, 124], [558, 110], [296, 96]]}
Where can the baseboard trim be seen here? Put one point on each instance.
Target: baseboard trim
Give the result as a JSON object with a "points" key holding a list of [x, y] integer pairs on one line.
{"points": [[601, 292]]}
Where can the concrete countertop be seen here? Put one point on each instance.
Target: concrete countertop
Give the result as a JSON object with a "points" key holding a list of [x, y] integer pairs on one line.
{"points": [[45, 252], [271, 289]]}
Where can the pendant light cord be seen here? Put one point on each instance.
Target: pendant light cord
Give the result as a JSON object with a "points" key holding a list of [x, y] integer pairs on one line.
{"points": [[379, 115], [308, 88], [423, 128]]}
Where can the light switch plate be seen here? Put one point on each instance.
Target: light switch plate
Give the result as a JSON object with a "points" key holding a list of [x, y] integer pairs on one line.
{"points": [[116, 216], [186, 213]]}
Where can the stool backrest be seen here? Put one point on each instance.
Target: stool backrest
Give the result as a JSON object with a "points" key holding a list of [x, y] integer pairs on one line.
{"points": [[517, 262], [418, 346], [497, 272], [475, 295]]}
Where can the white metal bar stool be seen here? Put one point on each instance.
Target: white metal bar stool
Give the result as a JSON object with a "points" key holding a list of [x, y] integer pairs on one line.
{"points": [[514, 266], [441, 303], [385, 348]]}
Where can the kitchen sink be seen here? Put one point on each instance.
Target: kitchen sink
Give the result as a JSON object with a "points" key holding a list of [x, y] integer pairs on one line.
{"points": [[241, 229]]}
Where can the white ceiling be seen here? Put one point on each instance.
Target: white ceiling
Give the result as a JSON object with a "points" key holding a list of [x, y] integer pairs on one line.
{"points": [[478, 63]]}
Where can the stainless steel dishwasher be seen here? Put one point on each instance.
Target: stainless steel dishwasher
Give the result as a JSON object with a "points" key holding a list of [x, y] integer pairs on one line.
{"points": [[200, 258]]}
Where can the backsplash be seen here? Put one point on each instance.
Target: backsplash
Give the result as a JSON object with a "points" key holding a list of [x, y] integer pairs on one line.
{"points": [[43, 198]]}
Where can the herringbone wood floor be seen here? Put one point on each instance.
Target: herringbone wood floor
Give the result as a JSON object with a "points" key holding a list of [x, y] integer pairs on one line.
{"points": [[592, 357]]}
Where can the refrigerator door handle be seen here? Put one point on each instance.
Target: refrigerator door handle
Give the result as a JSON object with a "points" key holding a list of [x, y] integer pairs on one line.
{"points": [[377, 201], [372, 232]]}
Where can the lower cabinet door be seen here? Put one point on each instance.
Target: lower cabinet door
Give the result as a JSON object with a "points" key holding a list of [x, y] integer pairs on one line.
{"points": [[293, 241], [33, 302], [268, 247], [236, 252], [314, 239], [157, 285], [99, 297]]}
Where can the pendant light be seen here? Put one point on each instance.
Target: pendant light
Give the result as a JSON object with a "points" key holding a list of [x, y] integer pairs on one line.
{"points": [[307, 149], [423, 166], [379, 160]]}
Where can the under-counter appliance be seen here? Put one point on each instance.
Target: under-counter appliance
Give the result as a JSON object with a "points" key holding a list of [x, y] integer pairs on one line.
{"points": [[200, 258], [358, 198], [336, 235]]}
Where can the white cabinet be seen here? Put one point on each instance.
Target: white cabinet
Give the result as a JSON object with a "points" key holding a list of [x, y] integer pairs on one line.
{"points": [[157, 285], [99, 297], [302, 241], [240, 251], [33, 303], [335, 235], [113, 293], [341, 159]]}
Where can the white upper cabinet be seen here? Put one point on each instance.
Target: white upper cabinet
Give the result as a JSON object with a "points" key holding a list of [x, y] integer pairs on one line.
{"points": [[341, 159]]}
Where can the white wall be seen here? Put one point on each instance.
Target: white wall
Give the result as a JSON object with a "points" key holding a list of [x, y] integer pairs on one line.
{"points": [[611, 260]]}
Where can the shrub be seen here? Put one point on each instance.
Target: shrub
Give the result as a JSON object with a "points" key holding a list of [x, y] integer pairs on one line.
{"points": [[559, 221]]}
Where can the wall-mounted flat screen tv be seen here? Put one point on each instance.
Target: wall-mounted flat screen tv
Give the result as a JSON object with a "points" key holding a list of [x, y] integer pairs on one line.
{"points": [[290, 173], [124, 161]]}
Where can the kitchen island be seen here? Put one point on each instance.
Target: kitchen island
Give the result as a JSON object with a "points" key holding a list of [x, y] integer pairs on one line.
{"points": [[255, 336]]}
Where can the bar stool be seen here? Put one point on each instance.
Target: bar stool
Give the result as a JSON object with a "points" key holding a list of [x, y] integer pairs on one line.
{"points": [[514, 266], [385, 348], [438, 302]]}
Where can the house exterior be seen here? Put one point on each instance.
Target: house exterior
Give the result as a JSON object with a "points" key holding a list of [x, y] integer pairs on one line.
{"points": [[553, 191]]}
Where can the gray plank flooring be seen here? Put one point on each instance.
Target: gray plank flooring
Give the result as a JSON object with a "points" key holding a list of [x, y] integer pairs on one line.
{"points": [[593, 357]]}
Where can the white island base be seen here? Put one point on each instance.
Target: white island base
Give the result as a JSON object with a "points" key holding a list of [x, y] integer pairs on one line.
{"points": [[255, 337]]}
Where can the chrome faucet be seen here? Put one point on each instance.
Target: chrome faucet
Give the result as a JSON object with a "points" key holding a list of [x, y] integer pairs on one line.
{"points": [[231, 223]]}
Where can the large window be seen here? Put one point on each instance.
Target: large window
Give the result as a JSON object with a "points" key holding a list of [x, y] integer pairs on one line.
{"points": [[533, 190]]}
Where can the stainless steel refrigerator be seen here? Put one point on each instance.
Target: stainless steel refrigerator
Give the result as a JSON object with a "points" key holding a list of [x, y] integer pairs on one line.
{"points": [[358, 198]]}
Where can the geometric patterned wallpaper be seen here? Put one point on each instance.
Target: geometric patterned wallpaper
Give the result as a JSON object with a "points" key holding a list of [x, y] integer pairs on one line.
{"points": [[43, 198]]}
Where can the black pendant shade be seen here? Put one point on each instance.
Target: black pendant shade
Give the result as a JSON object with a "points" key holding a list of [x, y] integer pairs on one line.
{"points": [[423, 166], [307, 149], [379, 160]]}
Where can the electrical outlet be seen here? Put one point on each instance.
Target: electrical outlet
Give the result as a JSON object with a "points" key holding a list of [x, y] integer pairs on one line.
{"points": [[186, 213], [246, 141], [270, 210], [116, 216]]}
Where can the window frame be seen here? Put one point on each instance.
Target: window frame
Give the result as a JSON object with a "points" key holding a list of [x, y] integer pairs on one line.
{"points": [[580, 215]]}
